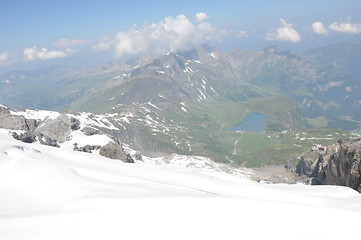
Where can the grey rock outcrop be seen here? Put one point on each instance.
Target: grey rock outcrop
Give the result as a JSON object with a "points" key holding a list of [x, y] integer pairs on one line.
{"points": [[15, 122], [341, 165], [87, 148], [89, 131], [53, 131], [74, 124], [115, 151], [27, 137], [30, 137], [58, 129]]}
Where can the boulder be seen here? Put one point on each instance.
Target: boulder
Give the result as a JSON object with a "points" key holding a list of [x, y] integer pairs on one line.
{"points": [[115, 151], [30, 137], [74, 124], [87, 148], [26, 137], [15, 122], [58, 129], [89, 131]]}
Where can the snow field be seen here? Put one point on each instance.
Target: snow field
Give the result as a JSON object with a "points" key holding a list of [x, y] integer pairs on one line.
{"points": [[56, 193]]}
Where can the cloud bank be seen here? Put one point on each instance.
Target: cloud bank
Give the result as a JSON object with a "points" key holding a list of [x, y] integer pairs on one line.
{"points": [[345, 27], [242, 34], [4, 57], [341, 27], [67, 43], [169, 34], [284, 33], [33, 53]]}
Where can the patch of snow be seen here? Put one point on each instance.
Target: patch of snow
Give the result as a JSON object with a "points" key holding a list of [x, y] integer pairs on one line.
{"points": [[81, 139], [214, 55], [7, 81], [202, 96], [315, 138], [151, 104], [89, 119], [188, 70], [37, 114]]}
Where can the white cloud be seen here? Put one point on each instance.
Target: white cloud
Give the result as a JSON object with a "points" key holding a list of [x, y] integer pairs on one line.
{"points": [[319, 28], [44, 54], [241, 34], [4, 57], [169, 34], [345, 27], [201, 16], [284, 33], [67, 43], [104, 45]]}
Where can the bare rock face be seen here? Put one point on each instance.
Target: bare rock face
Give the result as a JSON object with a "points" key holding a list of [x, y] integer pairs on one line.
{"points": [[58, 129], [15, 122], [115, 151], [30, 137], [344, 166], [341, 165], [87, 148], [89, 131]]}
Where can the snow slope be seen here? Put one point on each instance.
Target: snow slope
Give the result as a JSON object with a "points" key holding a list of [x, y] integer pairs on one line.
{"points": [[56, 193]]}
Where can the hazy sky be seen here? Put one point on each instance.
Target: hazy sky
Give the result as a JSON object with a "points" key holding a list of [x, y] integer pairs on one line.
{"points": [[40, 32]]}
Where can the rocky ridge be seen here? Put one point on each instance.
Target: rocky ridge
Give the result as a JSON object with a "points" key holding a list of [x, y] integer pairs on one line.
{"points": [[340, 164], [53, 132]]}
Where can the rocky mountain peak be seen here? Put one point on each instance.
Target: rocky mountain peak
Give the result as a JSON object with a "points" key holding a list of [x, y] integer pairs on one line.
{"points": [[339, 164], [271, 50]]}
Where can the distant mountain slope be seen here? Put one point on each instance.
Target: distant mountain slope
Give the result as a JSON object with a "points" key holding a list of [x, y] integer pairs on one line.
{"points": [[186, 101], [324, 81]]}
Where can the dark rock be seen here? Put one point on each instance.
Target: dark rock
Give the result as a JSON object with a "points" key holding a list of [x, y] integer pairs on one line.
{"points": [[303, 167], [27, 137], [30, 137], [31, 124], [74, 124], [341, 165], [45, 140], [115, 151], [87, 148], [138, 156], [89, 131]]}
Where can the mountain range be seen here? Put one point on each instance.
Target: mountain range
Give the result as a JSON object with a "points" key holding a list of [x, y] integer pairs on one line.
{"points": [[186, 101]]}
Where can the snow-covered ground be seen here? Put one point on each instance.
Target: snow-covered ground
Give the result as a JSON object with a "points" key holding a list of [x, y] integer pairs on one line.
{"points": [[56, 193]]}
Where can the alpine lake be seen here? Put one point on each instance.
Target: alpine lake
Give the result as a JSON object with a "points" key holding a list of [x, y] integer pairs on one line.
{"points": [[254, 122]]}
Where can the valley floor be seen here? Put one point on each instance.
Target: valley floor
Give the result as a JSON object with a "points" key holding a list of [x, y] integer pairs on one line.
{"points": [[56, 193]]}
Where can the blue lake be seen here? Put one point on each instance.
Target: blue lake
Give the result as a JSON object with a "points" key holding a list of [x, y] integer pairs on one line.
{"points": [[253, 122]]}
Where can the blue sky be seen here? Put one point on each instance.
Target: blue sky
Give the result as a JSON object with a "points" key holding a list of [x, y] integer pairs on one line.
{"points": [[41, 32]]}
